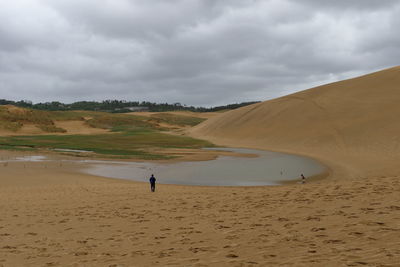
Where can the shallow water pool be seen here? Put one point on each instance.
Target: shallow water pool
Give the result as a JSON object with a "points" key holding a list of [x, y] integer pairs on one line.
{"points": [[268, 168]]}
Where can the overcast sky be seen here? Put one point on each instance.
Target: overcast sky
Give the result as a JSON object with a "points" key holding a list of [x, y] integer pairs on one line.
{"points": [[197, 52]]}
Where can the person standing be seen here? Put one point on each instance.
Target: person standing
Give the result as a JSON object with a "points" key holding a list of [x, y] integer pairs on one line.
{"points": [[303, 179], [153, 183]]}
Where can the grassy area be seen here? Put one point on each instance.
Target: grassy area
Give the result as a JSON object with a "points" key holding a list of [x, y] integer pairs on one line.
{"points": [[131, 136], [176, 119], [66, 115], [12, 118], [123, 122], [131, 144], [16, 148], [118, 122]]}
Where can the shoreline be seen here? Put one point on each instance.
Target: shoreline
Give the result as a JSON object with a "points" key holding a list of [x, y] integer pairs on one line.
{"points": [[336, 169], [82, 163]]}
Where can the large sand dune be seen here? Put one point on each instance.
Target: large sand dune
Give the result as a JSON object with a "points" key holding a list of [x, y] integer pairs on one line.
{"points": [[353, 126]]}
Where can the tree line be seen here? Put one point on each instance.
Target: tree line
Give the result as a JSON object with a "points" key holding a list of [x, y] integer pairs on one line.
{"points": [[119, 106]]}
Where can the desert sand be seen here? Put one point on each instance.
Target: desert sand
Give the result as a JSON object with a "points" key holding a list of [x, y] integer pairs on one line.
{"points": [[52, 215]]}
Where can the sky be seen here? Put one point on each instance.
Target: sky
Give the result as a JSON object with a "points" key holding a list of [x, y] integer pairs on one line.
{"points": [[195, 52]]}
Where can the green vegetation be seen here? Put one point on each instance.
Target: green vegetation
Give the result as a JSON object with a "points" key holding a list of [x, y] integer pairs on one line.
{"points": [[176, 119], [123, 122], [118, 122], [12, 118], [130, 136], [131, 144], [66, 115], [118, 106]]}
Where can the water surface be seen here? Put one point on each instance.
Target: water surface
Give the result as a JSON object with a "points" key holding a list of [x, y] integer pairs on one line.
{"points": [[269, 168]]}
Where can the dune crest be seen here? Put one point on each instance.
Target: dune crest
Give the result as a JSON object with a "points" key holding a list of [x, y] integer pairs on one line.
{"points": [[353, 125]]}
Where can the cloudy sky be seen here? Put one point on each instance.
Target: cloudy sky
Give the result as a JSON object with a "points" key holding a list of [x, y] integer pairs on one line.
{"points": [[197, 52]]}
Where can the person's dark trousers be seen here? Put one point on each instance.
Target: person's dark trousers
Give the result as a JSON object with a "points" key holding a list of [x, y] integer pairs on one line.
{"points": [[153, 187]]}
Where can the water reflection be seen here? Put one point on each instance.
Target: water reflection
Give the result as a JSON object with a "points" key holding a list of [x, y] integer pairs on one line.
{"points": [[269, 168]]}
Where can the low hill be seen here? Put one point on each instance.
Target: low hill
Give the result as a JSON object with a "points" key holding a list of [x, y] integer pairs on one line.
{"points": [[100, 134], [353, 126], [25, 121], [22, 121]]}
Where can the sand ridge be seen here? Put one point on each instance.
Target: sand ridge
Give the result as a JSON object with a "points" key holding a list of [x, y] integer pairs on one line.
{"points": [[71, 127], [79, 127], [352, 126]]}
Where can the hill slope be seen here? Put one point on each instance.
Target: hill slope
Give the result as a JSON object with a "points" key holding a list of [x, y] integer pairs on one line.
{"points": [[353, 126]]}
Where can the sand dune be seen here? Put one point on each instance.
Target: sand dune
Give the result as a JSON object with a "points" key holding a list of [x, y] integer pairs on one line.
{"points": [[26, 129], [79, 127], [352, 126], [71, 127]]}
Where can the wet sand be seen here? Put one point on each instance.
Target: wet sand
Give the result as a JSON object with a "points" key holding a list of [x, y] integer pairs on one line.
{"points": [[54, 216]]}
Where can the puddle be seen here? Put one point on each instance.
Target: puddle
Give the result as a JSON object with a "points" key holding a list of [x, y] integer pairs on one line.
{"points": [[31, 158], [71, 150], [269, 168]]}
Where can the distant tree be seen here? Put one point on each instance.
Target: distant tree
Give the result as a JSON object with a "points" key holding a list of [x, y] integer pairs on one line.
{"points": [[117, 106]]}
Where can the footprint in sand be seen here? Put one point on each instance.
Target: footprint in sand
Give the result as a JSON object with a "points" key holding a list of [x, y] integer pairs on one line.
{"points": [[334, 241], [80, 253], [317, 229], [31, 233], [9, 247], [356, 233]]}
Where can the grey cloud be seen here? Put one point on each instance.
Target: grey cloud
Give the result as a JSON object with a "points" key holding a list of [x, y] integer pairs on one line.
{"points": [[195, 52], [350, 4], [137, 19]]}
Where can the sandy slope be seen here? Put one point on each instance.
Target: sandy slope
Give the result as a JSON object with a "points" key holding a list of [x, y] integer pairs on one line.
{"points": [[79, 127], [71, 127], [353, 126], [26, 129]]}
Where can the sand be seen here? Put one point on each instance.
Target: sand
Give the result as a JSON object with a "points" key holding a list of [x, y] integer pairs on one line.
{"points": [[79, 127], [71, 127], [26, 129], [55, 216]]}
